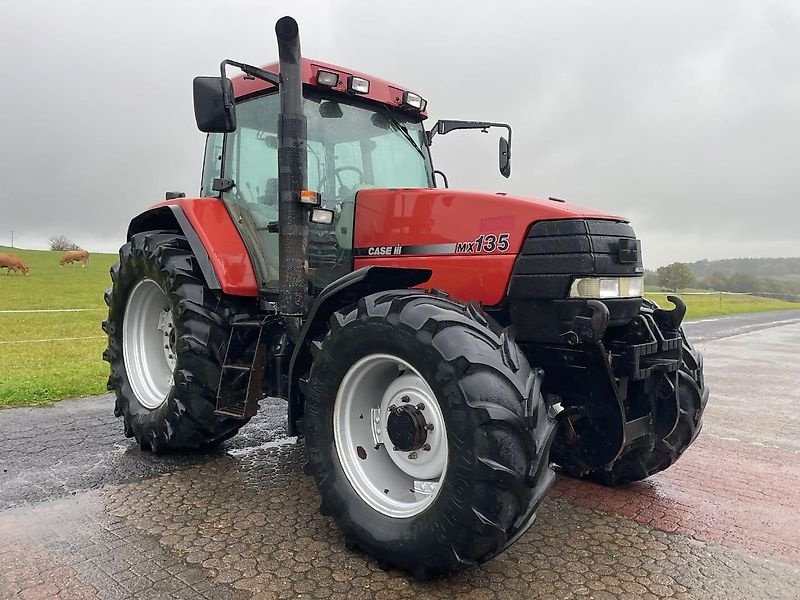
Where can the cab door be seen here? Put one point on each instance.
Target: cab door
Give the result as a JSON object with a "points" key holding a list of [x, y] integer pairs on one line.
{"points": [[250, 156]]}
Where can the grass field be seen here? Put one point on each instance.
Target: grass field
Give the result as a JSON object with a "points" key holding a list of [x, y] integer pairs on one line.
{"points": [[34, 371], [47, 356]]}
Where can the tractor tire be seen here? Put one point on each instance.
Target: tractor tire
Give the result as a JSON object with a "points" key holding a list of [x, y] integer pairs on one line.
{"points": [[639, 463], [167, 334], [461, 465]]}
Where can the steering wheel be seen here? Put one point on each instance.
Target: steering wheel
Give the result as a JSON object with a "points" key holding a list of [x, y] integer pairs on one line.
{"points": [[337, 173]]}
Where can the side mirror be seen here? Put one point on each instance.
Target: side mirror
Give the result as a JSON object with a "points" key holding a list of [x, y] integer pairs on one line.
{"points": [[505, 157], [213, 105]]}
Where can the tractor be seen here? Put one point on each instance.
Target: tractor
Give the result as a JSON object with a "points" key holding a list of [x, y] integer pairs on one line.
{"points": [[439, 351]]}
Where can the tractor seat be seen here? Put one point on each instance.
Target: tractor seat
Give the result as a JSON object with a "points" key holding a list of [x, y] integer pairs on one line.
{"points": [[262, 215], [265, 209], [270, 197]]}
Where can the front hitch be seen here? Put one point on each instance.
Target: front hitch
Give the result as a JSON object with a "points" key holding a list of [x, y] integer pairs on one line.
{"points": [[670, 320], [589, 329]]}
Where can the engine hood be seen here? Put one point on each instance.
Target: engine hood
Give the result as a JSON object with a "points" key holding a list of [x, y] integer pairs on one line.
{"points": [[434, 221]]}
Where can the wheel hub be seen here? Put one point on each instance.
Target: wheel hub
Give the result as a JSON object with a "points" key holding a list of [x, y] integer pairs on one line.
{"points": [[406, 427], [166, 326]]}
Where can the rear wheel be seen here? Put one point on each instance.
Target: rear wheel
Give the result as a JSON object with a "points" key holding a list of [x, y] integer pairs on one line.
{"points": [[416, 432], [167, 333]]}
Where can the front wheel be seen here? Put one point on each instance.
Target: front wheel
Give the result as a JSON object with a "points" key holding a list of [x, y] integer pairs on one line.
{"points": [[426, 434]]}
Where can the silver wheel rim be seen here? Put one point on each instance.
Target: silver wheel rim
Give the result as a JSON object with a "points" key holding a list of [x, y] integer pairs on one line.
{"points": [[148, 344], [395, 482]]}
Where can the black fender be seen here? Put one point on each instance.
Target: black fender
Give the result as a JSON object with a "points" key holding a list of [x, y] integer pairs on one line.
{"points": [[170, 217], [340, 293]]}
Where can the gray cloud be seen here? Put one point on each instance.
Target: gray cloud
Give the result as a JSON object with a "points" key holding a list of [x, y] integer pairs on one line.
{"points": [[679, 115]]}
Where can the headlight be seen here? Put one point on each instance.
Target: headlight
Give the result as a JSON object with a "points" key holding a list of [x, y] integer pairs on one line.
{"points": [[607, 287], [415, 101]]}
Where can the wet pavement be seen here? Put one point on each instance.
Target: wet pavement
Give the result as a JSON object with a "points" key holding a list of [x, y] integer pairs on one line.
{"points": [[85, 514], [717, 328]]}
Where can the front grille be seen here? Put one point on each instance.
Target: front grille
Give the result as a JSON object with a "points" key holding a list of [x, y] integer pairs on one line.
{"points": [[555, 252]]}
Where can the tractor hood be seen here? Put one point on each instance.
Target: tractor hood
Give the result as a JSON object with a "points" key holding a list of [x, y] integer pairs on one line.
{"points": [[469, 240], [433, 221]]}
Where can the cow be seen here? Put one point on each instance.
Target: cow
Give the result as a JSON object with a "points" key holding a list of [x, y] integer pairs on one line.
{"points": [[73, 256], [12, 262]]}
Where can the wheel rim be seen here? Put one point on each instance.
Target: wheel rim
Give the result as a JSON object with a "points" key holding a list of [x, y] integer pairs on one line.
{"points": [[148, 344], [390, 435]]}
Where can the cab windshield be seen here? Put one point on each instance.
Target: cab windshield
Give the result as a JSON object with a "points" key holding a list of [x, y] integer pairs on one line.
{"points": [[357, 146], [352, 145]]}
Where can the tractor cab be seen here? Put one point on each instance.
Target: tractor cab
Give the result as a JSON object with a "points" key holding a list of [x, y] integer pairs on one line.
{"points": [[362, 133]]}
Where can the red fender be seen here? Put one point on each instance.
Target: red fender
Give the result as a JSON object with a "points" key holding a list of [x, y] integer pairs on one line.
{"points": [[226, 251]]}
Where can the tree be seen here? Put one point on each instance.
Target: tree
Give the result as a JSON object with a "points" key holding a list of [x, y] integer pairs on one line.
{"points": [[62, 243], [717, 281], [650, 277], [675, 276]]}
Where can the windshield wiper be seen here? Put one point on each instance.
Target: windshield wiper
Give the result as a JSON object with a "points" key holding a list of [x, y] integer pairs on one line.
{"points": [[402, 129]]}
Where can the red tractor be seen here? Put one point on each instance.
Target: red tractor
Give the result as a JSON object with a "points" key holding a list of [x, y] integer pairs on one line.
{"points": [[438, 349]]}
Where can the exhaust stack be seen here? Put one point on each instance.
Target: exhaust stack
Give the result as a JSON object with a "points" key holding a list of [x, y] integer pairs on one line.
{"points": [[292, 166]]}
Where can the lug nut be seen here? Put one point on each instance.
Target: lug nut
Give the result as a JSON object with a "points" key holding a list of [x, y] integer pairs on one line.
{"points": [[392, 408], [427, 447], [429, 426], [412, 456], [420, 406], [405, 399]]}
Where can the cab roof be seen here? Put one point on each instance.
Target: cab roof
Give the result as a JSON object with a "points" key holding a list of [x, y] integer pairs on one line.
{"points": [[379, 90]]}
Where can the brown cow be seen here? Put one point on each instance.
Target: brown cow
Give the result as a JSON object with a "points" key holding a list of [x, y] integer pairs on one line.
{"points": [[73, 256], [12, 262]]}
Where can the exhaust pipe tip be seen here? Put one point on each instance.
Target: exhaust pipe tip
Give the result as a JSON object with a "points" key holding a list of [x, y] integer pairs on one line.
{"points": [[286, 29]]}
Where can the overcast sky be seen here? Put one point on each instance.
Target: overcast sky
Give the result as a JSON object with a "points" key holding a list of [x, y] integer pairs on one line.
{"points": [[683, 116]]}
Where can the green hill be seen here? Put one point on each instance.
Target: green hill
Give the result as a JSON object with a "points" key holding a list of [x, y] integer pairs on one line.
{"points": [[775, 277], [779, 268]]}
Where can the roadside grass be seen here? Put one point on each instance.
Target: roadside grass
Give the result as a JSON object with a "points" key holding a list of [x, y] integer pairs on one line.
{"points": [[39, 372], [699, 306], [44, 372], [21, 327]]}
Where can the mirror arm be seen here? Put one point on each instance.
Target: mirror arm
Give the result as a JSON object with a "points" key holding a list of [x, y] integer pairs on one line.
{"points": [[226, 184], [429, 134], [250, 70], [446, 126]]}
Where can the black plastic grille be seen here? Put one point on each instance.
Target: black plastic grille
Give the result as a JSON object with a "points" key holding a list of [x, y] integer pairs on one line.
{"points": [[555, 252]]}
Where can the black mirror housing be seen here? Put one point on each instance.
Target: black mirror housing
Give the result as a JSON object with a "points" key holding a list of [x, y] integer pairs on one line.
{"points": [[214, 110], [505, 157]]}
